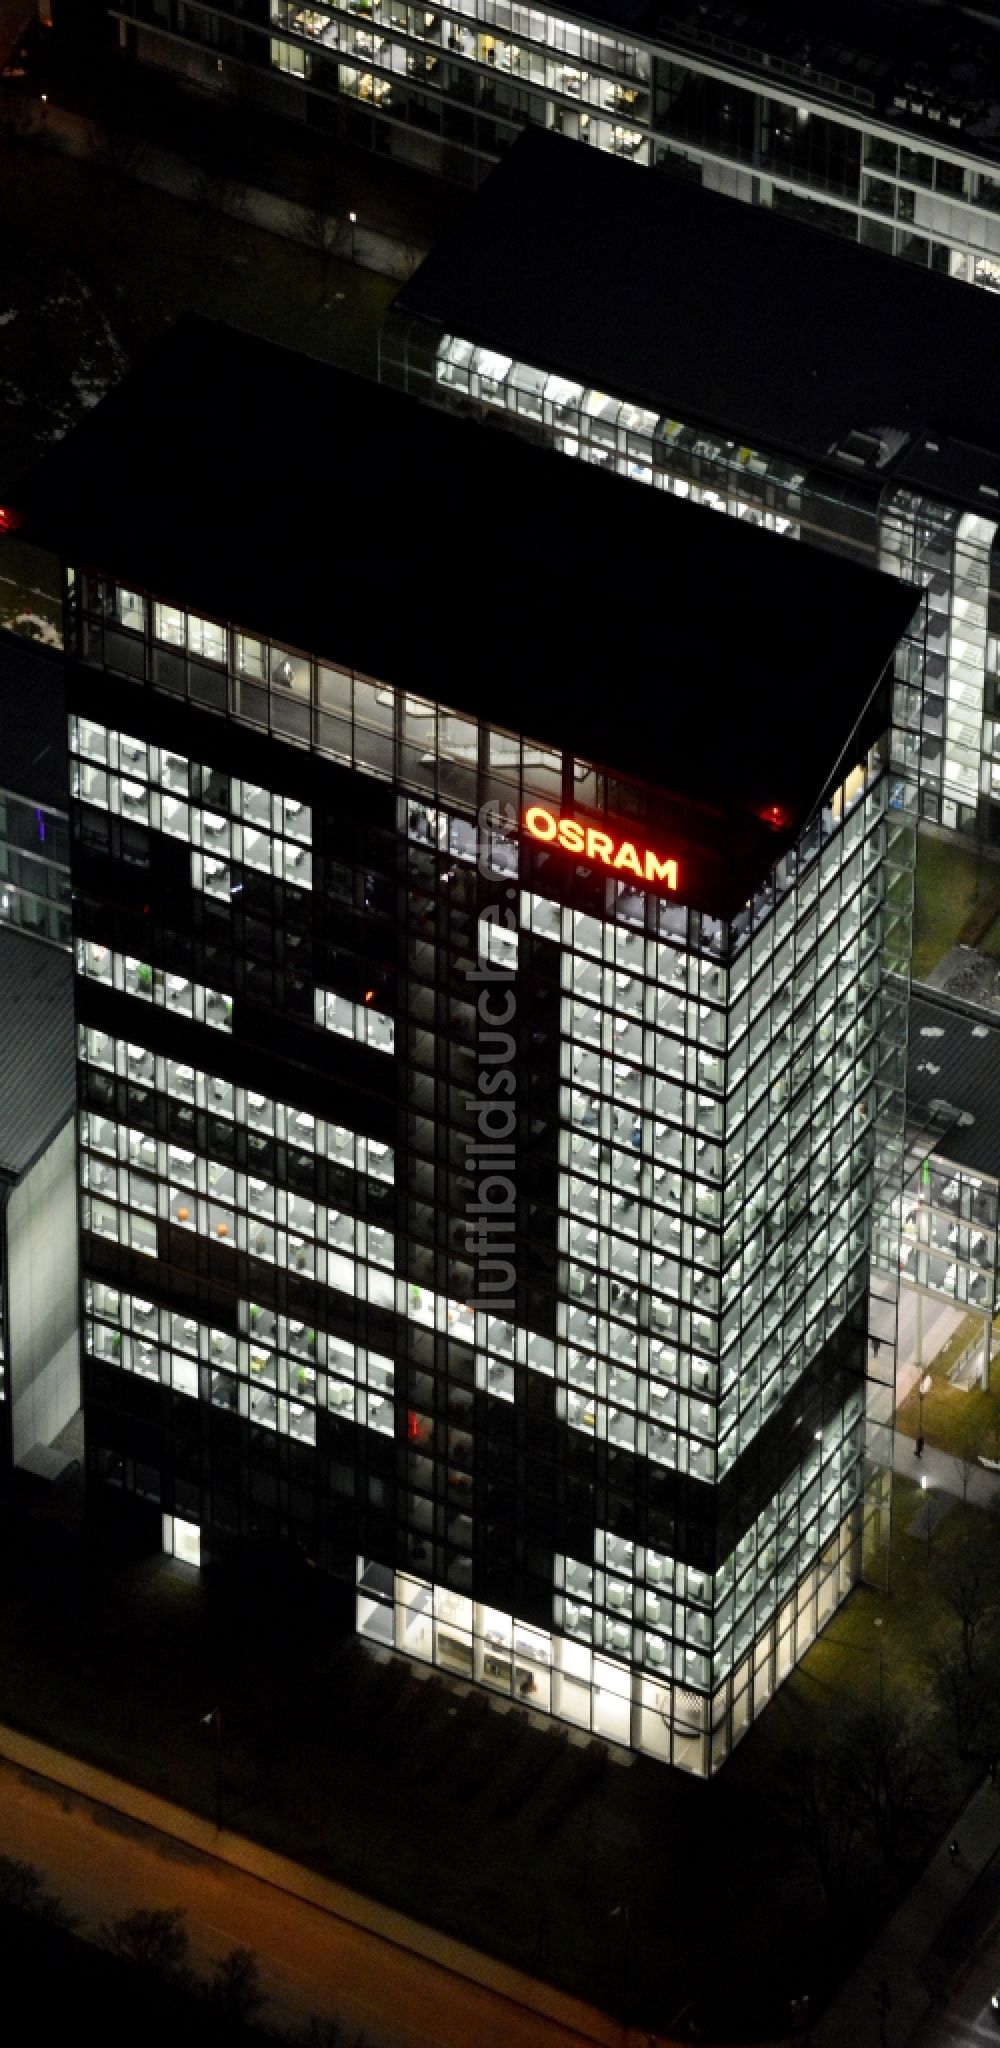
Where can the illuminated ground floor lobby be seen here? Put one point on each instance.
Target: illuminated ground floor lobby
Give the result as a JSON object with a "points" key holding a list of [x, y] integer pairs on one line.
{"points": [[550, 1672]]}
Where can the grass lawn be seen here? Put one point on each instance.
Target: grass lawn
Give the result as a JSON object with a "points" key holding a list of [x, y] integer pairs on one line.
{"points": [[505, 1834], [950, 881], [961, 1420]]}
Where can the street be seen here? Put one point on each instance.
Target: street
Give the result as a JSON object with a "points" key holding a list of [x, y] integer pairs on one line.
{"points": [[102, 1864]]}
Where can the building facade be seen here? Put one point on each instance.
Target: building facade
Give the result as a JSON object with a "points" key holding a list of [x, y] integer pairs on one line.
{"points": [[39, 1275], [895, 143], [479, 1186], [34, 831], [745, 394], [948, 1242]]}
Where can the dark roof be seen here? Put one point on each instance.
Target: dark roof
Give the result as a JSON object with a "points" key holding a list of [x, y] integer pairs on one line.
{"points": [[37, 1054], [32, 723], [714, 660], [948, 54], [953, 1083], [712, 311]]}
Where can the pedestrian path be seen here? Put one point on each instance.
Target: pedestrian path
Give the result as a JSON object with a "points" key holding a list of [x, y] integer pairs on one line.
{"points": [[352, 241], [944, 1473], [893, 1986]]}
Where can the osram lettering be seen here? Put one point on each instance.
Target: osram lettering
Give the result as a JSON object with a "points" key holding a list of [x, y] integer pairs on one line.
{"points": [[594, 843]]}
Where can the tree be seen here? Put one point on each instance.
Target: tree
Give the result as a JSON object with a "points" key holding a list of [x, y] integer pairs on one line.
{"points": [[23, 1886], [18, 112], [891, 1773], [967, 1581], [964, 1692], [220, 175], [318, 2033], [115, 141], [318, 223], [822, 1786], [117, 149], [234, 1987], [155, 1939]]}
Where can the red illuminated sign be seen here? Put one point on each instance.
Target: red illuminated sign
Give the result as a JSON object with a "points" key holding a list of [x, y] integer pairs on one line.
{"points": [[622, 855]]}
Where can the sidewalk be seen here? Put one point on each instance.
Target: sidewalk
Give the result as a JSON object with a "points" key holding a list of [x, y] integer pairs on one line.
{"points": [[944, 1473], [582, 2023], [370, 248], [892, 1981]]}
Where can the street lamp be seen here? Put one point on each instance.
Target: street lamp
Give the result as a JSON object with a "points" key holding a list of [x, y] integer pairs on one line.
{"points": [[353, 218], [624, 1914], [927, 1513], [924, 1387], [879, 1625], [214, 1721]]}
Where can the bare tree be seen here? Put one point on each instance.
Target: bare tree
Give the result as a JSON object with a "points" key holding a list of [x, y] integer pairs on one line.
{"points": [[221, 164], [319, 223], [318, 2033], [234, 1987], [117, 149], [965, 1693], [154, 1938], [115, 143], [18, 111], [967, 1581], [22, 1885], [17, 124], [826, 1808], [218, 188], [891, 1773]]}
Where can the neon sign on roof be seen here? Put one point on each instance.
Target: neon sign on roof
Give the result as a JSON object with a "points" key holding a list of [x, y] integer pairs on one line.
{"points": [[623, 856]]}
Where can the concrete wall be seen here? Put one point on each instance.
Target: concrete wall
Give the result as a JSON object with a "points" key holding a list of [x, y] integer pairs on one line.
{"points": [[42, 1295]]}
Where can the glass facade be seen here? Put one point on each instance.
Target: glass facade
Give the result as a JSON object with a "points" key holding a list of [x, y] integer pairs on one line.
{"points": [[34, 869], [949, 1235], [952, 735], [912, 172], [4, 1374], [490, 1225]]}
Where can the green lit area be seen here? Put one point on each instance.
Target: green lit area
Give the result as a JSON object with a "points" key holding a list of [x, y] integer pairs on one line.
{"points": [[957, 901]]}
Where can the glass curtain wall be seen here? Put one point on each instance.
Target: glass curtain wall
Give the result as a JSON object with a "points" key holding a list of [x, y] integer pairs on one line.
{"points": [[34, 869]]}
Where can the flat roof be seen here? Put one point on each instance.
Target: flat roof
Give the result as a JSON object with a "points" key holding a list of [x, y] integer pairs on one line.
{"points": [[724, 666], [717, 313], [948, 54], [33, 755], [37, 1048], [953, 1080]]}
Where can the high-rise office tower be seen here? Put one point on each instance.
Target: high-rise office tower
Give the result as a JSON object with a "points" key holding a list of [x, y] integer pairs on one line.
{"points": [[492, 892]]}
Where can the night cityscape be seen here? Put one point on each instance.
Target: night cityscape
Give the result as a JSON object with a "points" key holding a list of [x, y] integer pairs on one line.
{"points": [[500, 1022]]}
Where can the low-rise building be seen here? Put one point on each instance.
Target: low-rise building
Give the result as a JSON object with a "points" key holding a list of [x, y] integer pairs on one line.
{"points": [[737, 361], [39, 1273]]}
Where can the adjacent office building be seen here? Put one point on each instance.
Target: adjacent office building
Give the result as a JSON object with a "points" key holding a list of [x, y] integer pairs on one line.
{"points": [[880, 124], [794, 383], [948, 1247], [39, 1286], [490, 1029], [34, 831]]}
